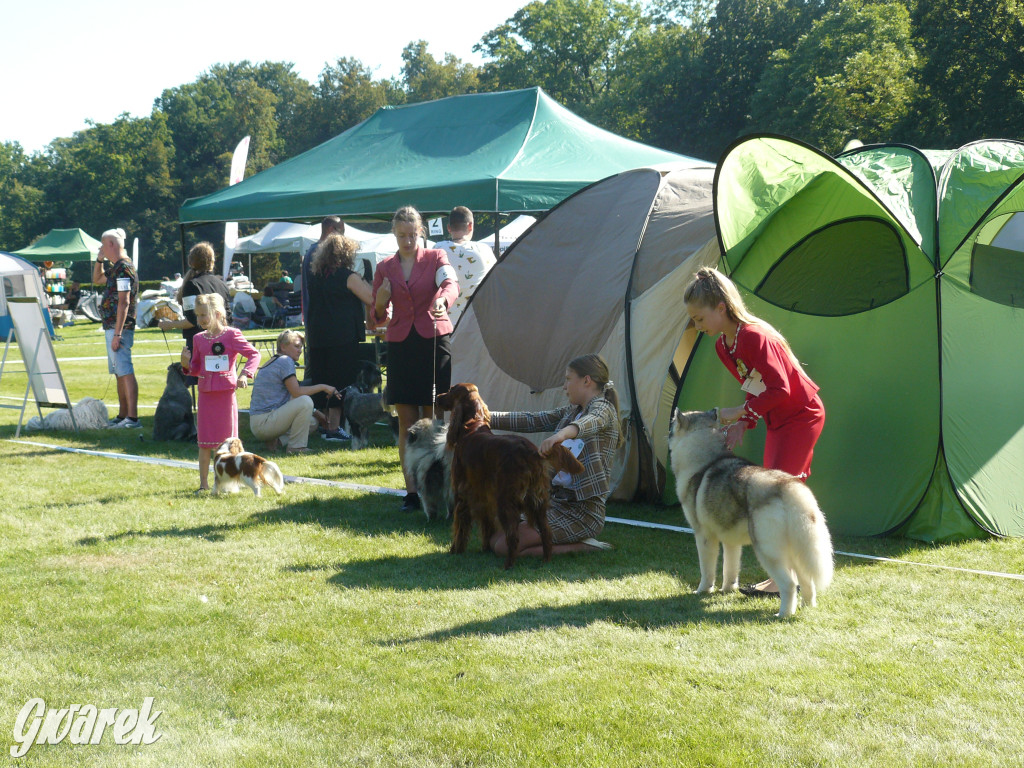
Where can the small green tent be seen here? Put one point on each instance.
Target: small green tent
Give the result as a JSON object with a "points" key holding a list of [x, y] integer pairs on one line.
{"points": [[511, 151], [62, 245], [898, 277]]}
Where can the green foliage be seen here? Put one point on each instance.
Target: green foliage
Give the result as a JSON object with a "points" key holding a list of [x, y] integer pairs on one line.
{"points": [[570, 47], [345, 95], [851, 76], [973, 73], [21, 205], [686, 75], [425, 78]]}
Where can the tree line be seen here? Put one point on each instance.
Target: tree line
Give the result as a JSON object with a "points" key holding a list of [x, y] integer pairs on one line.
{"points": [[690, 76]]}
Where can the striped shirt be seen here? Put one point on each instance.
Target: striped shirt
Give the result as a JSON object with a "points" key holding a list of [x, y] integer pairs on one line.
{"points": [[599, 431]]}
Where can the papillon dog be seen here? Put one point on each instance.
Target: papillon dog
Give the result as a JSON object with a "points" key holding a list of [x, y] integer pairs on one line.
{"points": [[233, 465]]}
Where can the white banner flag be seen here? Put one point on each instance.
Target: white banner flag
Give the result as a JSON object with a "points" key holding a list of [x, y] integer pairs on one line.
{"points": [[231, 228], [135, 254]]}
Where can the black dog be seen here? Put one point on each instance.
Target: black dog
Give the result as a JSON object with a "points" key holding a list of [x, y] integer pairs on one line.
{"points": [[174, 419], [368, 377]]}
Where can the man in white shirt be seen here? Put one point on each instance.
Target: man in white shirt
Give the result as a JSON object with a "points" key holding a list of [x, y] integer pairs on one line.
{"points": [[471, 260]]}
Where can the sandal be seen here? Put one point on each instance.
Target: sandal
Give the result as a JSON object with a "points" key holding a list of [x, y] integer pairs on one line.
{"points": [[200, 491], [596, 544]]}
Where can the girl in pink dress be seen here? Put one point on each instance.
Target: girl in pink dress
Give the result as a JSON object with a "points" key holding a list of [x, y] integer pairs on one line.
{"points": [[214, 354]]}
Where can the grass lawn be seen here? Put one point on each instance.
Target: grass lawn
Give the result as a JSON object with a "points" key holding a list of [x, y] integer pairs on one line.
{"points": [[326, 628]]}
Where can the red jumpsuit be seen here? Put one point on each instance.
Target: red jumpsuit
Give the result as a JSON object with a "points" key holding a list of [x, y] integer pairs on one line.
{"points": [[779, 391]]}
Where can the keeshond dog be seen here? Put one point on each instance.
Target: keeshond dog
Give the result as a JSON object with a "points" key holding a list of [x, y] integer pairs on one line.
{"points": [[430, 463], [729, 500]]}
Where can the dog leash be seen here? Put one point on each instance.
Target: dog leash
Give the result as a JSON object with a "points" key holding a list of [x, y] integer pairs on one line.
{"points": [[433, 383]]}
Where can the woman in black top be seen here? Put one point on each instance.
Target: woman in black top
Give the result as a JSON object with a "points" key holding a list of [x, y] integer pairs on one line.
{"points": [[199, 279], [335, 322]]}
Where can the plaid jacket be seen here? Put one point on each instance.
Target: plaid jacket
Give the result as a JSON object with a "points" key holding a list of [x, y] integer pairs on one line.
{"points": [[599, 431]]}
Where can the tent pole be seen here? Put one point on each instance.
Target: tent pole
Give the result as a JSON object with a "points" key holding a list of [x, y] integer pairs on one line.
{"points": [[184, 256]]}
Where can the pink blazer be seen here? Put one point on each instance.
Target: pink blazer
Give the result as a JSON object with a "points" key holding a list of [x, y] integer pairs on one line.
{"points": [[411, 302], [234, 344]]}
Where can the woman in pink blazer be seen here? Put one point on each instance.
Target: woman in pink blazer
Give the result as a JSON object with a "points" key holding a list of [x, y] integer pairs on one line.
{"points": [[419, 285]]}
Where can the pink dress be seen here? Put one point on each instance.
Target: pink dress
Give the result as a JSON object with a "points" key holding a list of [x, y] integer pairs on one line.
{"points": [[213, 361]]}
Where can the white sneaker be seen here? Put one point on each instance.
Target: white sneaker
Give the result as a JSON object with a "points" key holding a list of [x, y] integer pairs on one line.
{"points": [[128, 423]]}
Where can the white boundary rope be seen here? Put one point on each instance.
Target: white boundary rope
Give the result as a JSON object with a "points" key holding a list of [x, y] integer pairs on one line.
{"points": [[397, 492]]}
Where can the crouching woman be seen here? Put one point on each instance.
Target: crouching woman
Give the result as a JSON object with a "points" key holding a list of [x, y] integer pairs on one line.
{"points": [[590, 424], [281, 408]]}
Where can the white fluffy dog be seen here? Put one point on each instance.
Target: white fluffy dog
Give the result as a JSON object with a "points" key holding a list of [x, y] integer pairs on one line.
{"points": [[233, 466], [89, 413]]}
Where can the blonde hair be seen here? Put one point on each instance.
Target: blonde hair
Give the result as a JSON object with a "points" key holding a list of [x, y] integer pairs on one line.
{"points": [[335, 251], [596, 368], [408, 215], [289, 337], [214, 304], [709, 288], [200, 261]]}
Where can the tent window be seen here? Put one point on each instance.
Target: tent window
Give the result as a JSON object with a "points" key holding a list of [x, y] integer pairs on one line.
{"points": [[847, 267], [997, 261]]}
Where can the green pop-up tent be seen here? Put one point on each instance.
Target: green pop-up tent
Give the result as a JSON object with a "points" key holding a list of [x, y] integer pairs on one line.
{"points": [[62, 245], [898, 277], [511, 151]]}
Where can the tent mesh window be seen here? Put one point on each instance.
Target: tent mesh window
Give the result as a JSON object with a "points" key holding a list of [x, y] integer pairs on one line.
{"points": [[844, 268], [997, 274]]}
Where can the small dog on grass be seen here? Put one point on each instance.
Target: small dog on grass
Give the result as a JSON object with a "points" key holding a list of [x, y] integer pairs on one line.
{"points": [[89, 413], [430, 463], [233, 466], [361, 410], [174, 419], [729, 500]]}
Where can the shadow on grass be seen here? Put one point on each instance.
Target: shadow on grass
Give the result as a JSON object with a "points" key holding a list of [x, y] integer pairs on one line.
{"points": [[367, 515], [682, 610]]}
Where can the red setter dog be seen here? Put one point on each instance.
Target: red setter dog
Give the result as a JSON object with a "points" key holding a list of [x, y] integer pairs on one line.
{"points": [[496, 478]]}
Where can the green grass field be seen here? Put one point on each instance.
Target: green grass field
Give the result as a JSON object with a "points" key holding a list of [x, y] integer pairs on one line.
{"points": [[326, 628]]}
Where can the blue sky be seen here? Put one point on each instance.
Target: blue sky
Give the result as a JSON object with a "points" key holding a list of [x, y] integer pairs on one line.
{"points": [[64, 62]]}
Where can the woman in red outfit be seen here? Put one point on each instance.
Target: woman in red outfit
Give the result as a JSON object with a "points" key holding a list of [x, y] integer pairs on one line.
{"points": [[776, 387], [418, 285]]}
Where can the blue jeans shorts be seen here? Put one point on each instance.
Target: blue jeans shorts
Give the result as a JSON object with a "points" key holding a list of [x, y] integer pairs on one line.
{"points": [[120, 363]]}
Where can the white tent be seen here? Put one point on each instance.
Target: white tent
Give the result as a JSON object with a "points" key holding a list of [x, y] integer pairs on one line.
{"points": [[20, 279], [509, 233], [603, 272], [289, 237]]}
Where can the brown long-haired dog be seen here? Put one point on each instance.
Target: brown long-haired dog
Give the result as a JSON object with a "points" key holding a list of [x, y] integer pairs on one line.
{"points": [[496, 478]]}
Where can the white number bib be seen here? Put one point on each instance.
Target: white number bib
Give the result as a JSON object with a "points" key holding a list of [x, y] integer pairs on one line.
{"points": [[753, 384], [188, 303], [575, 447], [216, 363], [124, 284]]}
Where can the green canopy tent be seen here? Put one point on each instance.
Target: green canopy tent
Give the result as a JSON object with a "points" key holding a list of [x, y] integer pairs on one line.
{"points": [[898, 277], [507, 152], [62, 245]]}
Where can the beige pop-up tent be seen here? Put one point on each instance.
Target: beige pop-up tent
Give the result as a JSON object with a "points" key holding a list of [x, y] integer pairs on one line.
{"points": [[603, 272]]}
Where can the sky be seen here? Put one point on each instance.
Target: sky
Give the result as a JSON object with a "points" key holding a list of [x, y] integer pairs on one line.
{"points": [[65, 62]]}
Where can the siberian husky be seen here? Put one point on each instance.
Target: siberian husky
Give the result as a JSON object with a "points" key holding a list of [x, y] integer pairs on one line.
{"points": [[727, 499]]}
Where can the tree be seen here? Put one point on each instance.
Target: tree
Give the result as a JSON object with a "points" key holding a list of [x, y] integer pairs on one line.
{"points": [[570, 48], [741, 36], [345, 95], [118, 175], [851, 76], [425, 78], [209, 117], [972, 77], [21, 205]]}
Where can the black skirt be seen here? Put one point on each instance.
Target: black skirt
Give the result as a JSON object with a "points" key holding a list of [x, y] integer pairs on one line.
{"points": [[412, 365]]}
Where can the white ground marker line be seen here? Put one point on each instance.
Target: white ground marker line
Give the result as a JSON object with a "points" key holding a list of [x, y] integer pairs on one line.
{"points": [[398, 492]]}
